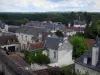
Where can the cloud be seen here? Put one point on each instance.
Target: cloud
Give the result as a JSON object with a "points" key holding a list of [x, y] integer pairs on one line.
{"points": [[49, 5]]}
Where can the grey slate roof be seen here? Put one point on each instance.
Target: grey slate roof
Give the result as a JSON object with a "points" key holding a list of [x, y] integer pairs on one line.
{"points": [[79, 22], [53, 43], [30, 30]]}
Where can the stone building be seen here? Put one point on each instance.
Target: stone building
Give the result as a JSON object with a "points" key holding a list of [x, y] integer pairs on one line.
{"points": [[89, 62]]}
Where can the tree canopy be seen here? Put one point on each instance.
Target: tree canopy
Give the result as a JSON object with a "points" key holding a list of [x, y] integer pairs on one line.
{"points": [[93, 30], [59, 33], [64, 17], [36, 57], [79, 46]]}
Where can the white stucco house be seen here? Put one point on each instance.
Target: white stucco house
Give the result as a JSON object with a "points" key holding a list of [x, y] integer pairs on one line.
{"points": [[59, 51], [78, 23], [27, 35], [3, 27]]}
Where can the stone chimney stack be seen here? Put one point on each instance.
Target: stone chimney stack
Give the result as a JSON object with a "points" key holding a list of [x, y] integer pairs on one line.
{"points": [[95, 55], [69, 25], [85, 60]]}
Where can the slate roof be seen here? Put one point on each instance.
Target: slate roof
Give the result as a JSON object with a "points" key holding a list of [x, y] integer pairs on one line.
{"points": [[77, 22], [53, 43], [12, 29], [89, 55], [30, 30], [33, 23], [75, 28]]}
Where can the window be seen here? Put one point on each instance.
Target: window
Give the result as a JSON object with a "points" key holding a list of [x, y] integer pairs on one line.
{"points": [[22, 37], [54, 54], [26, 38], [48, 52]]}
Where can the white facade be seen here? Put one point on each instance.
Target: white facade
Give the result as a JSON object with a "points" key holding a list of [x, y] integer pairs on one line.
{"points": [[71, 33], [25, 39], [60, 57], [83, 26]]}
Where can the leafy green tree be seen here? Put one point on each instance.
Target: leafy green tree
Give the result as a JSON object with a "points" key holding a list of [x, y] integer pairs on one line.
{"points": [[79, 46], [36, 57], [66, 70], [59, 33]]}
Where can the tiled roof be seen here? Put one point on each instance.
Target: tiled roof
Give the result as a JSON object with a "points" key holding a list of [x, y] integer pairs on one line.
{"points": [[37, 45], [90, 42], [75, 28]]}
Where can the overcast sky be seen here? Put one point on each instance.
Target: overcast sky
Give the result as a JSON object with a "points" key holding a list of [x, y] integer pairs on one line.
{"points": [[49, 5]]}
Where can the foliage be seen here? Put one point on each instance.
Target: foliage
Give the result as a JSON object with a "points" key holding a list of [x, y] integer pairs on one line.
{"points": [[79, 46], [93, 30], [64, 17], [36, 57], [66, 70], [59, 33]]}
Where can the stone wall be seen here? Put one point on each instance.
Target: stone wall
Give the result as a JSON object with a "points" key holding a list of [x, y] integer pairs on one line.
{"points": [[81, 69]]}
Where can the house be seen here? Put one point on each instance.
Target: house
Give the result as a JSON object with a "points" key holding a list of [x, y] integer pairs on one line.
{"points": [[78, 23], [3, 27], [59, 50], [70, 31], [50, 26], [89, 62], [27, 35], [13, 29], [53, 26], [9, 43]]}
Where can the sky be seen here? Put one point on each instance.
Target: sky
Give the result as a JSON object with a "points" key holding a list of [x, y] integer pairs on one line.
{"points": [[49, 5]]}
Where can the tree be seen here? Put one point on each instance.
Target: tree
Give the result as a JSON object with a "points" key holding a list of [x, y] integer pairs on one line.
{"points": [[66, 70], [79, 46], [59, 33], [36, 57]]}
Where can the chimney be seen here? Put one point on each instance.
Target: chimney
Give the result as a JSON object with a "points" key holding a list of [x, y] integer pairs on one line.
{"points": [[69, 25], [85, 60], [95, 54]]}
